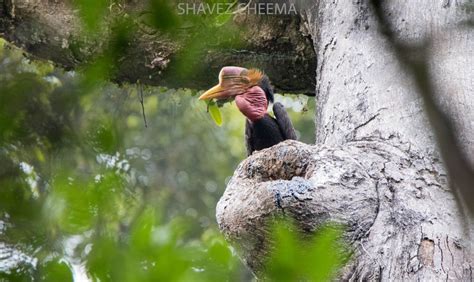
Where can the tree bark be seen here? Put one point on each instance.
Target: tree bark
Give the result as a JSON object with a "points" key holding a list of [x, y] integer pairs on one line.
{"points": [[278, 44], [375, 167]]}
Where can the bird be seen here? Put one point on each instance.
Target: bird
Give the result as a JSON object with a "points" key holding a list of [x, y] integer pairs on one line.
{"points": [[252, 91]]}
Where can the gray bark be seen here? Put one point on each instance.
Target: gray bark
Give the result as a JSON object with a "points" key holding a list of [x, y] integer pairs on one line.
{"points": [[279, 45], [375, 167]]}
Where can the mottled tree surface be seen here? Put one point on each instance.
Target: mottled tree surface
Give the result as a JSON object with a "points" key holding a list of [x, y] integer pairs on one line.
{"points": [[375, 166]]}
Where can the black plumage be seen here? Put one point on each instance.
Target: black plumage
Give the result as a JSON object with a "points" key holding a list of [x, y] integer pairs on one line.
{"points": [[268, 131]]}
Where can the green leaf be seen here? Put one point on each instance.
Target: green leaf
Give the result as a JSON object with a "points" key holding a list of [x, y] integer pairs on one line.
{"points": [[162, 15], [301, 257], [215, 113], [55, 270], [91, 12], [141, 235]]}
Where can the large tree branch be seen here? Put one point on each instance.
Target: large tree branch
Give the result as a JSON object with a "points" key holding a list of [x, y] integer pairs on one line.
{"points": [[391, 199], [278, 44], [416, 61]]}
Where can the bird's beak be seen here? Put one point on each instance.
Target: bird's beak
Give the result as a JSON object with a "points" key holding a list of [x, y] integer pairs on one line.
{"points": [[232, 82], [215, 92]]}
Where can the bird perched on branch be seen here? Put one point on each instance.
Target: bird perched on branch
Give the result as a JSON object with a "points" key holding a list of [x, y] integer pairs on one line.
{"points": [[253, 92]]}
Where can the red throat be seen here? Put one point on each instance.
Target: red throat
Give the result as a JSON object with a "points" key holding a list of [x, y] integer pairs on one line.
{"points": [[253, 103]]}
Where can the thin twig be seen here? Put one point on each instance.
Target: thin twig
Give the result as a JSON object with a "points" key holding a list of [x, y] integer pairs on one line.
{"points": [[140, 97], [460, 171]]}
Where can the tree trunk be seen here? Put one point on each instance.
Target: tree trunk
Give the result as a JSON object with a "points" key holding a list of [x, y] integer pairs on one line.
{"points": [[278, 44], [375, 167]]}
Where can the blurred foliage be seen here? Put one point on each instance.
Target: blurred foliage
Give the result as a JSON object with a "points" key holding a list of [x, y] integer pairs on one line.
{"points": [[91, 12], [89, 193], [299, 257], [117, 23]]}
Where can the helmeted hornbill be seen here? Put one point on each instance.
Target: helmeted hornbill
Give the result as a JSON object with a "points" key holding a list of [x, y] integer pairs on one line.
{"points": [[253, 92]]}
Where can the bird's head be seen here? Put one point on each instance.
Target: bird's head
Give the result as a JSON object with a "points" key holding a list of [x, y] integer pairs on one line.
{"points": [[250, 88]]}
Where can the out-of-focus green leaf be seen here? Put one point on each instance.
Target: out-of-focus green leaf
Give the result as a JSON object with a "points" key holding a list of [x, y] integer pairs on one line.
{"points": [[141, 235], [162, 16], [327, 253], [220, 253], [107, 61], [106, 261], [97, 72], [103, 136], [92, 12], [63, 209], [55, 270], [298, 257]]}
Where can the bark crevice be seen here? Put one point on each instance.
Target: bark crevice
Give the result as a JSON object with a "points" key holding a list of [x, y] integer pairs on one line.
{"points": [[383, 190]]}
